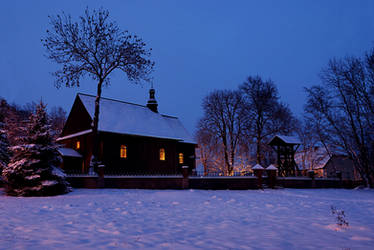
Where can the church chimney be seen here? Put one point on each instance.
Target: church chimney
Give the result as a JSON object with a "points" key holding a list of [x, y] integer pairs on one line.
{"points": [[152, 103]]}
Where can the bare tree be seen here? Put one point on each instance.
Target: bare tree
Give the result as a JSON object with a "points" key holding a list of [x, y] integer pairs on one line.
{"points": [[266, 115], [57, 117], [206, 139], [343, 107], [223, 116], [95, 46]]}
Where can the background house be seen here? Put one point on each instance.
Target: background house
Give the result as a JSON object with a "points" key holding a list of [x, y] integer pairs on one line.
{"points": [[134, 139], [325, 164]]}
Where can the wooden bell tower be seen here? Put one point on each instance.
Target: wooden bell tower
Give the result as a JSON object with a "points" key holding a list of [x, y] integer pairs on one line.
{"points": [[285, 146]]}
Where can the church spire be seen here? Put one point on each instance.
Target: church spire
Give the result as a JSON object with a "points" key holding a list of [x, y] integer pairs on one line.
{"points": [[152, 103]]}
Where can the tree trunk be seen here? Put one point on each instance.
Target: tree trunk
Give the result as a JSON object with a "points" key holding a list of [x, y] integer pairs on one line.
{"points": [[258, 150], [95, 126]]}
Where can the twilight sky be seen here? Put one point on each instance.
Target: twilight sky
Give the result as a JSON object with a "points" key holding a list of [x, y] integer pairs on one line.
{"points": [[198, 46]]}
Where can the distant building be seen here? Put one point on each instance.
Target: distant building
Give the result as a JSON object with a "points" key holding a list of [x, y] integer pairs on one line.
{"points": [[324, 165], [133, 138], [343, 165]]}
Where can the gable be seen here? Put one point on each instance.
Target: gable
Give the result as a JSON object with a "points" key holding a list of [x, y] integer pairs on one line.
{"points": [[78, 119]]}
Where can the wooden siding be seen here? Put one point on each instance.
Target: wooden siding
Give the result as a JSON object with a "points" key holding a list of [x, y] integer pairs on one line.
{"points": [[78, 119], [142, 154]]}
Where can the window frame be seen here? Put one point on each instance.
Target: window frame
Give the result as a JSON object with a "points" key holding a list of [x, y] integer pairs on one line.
{"points": [[162, 154], [181, 158], [123, 151]]}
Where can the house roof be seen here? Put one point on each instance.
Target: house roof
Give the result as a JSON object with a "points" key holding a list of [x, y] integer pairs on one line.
{"points": [[286, 139], [316, 158], [133, 119]]}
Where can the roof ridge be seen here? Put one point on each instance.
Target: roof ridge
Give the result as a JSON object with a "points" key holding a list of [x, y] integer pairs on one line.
{"points": [[131, 103], [169, 116], [114, 100]]}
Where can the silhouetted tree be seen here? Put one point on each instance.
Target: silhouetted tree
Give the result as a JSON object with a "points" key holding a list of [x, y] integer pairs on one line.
{"points": [[95, 46], [343, 109], [223, 115], [265, 114]]}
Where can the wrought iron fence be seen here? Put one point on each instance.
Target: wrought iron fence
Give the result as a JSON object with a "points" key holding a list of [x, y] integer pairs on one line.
{"points": [[119, 172], [218, 174]]}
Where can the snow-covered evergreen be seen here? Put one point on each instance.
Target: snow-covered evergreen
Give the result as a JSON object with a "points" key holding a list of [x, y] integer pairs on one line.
{"points": [[33, 170], [4, 152]]}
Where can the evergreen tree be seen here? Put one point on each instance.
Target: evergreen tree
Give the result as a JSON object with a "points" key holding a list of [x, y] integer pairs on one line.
{"points": [[33, 170], [4, 152]]}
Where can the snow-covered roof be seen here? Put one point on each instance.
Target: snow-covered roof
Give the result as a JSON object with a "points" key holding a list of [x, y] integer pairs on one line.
{"points": [[271, 167], [315, 158], [69, 152], [287, 139], [257, 166], [133, 119]]}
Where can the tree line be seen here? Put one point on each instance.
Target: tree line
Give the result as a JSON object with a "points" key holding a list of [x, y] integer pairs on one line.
{"points": [[338, 116], [237, 125], [13, 115]]}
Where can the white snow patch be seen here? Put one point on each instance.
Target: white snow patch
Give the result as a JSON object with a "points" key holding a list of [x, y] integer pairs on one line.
{"points": [[181, 219]]}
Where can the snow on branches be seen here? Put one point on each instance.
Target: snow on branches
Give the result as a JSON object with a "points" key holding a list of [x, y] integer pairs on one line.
{"points": [[32, 170]]}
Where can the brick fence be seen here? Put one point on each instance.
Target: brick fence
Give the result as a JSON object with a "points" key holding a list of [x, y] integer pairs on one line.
{"points": [[213, 183]]}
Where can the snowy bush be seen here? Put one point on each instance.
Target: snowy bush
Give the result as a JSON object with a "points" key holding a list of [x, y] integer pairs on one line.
{"points": [[32, 170], [341, 221]]}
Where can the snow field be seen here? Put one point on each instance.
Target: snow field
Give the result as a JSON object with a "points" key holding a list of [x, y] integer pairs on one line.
{"points": [[188, 219]]}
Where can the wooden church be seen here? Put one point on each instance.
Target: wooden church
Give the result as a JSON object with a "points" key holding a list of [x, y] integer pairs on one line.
{"points": [[134, 139]]}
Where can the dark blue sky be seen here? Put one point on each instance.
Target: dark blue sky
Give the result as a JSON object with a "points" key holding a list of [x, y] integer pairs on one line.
{"points": [[198, 46]]}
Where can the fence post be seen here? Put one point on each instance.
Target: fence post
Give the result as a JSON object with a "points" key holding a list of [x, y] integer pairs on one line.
{"points": [[258, 170], [340, 177], [312, 175], [100, 179], [185, 181], [271, 171]]}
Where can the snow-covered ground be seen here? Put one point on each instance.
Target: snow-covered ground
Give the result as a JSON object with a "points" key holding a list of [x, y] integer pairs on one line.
{"points": [[188, 219]]}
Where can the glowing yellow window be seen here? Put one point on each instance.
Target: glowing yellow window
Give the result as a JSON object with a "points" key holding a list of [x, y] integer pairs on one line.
{"points": [[180, 157], [78, 145], [162, 154], [123, 151]]}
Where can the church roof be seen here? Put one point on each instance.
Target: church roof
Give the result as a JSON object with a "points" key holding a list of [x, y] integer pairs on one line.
{"points": [[133, 119]]}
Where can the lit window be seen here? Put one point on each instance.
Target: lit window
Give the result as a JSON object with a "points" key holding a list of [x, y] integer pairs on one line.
{"points": [[78, 145], [162, 154], [123, 151], [180, 157]]}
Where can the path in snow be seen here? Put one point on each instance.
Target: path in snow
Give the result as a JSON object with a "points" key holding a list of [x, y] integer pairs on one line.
{"points": [[188, 219]]}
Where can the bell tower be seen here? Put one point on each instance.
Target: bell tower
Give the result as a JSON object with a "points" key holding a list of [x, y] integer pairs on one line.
{"points": [[152, 103]]}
